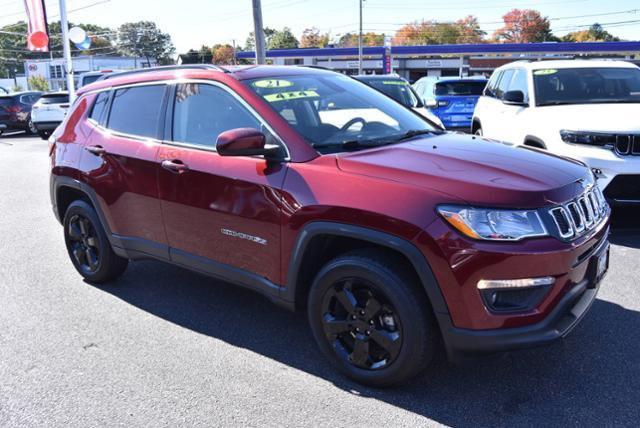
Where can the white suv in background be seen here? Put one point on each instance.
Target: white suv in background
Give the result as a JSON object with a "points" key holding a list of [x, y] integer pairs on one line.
{"points": [[49, 112], [584, 109]]}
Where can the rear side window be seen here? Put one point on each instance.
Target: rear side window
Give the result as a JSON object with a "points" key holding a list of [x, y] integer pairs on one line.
{"points": [[136, 111], [99, 107], [202, 112]]}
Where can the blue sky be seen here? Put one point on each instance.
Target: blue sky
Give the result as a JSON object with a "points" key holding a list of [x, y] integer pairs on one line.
{"points": [[192, 23]]}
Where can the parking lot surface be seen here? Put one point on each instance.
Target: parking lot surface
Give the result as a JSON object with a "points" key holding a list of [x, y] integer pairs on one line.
{"points": [[166, 347]]}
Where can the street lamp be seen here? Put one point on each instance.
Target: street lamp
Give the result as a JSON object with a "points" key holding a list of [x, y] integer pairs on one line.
{"points": [[360, 41]]}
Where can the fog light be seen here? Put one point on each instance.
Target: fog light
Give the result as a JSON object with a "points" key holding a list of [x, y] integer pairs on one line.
{"points": [[501, 284]]}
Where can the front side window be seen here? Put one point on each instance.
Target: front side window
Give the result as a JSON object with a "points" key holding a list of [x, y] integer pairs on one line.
{"points": [[490, 90], [337, 113], [202, 112], [136, 111], [590, 85], [519, 83], [503, 83]]}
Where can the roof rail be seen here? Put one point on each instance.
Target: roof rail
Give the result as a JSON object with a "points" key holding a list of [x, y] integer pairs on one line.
{"points": [[165, 68]]}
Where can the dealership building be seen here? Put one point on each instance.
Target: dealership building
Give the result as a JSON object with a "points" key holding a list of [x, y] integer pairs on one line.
{"points": [[413, 62], [54, 70]]}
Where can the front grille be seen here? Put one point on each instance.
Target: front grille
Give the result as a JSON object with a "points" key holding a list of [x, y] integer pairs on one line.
{"points": [[624, 188], [576, 217], [627, 144]]}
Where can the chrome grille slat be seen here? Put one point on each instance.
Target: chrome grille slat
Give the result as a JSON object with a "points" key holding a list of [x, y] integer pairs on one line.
{"points": [[580, 215]]}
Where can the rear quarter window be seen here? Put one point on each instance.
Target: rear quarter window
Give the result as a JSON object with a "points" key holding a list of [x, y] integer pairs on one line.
{"points": [[136, 111]]}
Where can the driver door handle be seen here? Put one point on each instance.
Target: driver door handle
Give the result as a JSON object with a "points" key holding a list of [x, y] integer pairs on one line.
{"points": [[174, 165]]}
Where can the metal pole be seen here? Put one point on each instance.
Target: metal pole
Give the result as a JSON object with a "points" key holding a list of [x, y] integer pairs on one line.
{"points": [[360, 42], [67, 50], [258, 31]]}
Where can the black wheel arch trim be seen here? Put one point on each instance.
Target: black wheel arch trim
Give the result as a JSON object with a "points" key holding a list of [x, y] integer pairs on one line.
{"points": [[401, 245]]}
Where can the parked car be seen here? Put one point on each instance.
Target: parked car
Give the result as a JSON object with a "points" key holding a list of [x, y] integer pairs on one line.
{"points": [[92, 76], [49, 112], [401, 91], [392, 235], [584, 109], [3, 90], [452, 99], [15, 111]]}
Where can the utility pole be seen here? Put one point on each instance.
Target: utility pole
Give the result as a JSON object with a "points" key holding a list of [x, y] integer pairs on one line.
{"points": [[258, 31], [360, 42], [66, 49]]}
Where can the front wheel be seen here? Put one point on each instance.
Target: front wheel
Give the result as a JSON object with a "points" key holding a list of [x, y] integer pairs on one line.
{"points": [[44, 135], [88, 246], [478, 132], [371, 320]]}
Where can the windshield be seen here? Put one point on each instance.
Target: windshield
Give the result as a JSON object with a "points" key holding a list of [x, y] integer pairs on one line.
{"points": [[586, 86], [335, 112], [460, 88], [397, 89]]}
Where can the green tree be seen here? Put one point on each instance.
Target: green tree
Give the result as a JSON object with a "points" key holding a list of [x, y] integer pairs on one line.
{"points": [[283, 40], [595, 33], [38, 83], [250, 43], [145, 39]]}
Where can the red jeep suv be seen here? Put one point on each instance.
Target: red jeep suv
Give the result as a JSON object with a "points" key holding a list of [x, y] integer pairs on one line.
{"points": [[321, 193]]}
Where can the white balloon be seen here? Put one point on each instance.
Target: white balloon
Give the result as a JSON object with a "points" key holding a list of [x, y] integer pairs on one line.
{"points": [[77, 35]]}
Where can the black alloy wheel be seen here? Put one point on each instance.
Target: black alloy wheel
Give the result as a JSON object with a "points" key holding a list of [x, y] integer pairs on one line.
{"points": [[361, 324], [84, 243], [88, 245]]}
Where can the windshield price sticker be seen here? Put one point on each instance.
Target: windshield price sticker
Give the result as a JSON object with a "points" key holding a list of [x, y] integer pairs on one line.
{"points": [[393, 82], [294, 95], [273, 83], [545, 72]]}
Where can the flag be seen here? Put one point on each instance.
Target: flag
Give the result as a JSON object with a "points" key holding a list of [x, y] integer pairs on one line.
{"points": [[38, 37]]}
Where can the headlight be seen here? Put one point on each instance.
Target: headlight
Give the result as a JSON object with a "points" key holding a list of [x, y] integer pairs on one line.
{"points": [[493, 224], [589, 138]]}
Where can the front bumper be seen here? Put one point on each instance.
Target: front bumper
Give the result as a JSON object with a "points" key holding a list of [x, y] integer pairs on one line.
{"points": [[558, 323]]}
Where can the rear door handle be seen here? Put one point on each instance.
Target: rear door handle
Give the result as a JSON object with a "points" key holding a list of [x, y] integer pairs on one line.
{"points": [[175, 166], [96, 150]]}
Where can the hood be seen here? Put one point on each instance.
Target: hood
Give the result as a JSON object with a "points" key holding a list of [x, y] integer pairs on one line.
{"points": [[591, 117], [479, 171]]}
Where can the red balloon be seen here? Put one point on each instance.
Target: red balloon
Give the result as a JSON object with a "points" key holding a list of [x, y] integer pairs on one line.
{"points": [[39, 39]]}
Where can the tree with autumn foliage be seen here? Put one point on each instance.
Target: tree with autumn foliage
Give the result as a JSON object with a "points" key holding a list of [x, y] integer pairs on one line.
{"points": [[312, 38], [595, 33], [465, 30], [223, 54], [350, 40], [524, 26]]}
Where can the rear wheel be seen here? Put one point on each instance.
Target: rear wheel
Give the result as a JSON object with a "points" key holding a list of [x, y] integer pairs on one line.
{"points": [[44, 134], [371, 320], [88, 246], [31, 128]]}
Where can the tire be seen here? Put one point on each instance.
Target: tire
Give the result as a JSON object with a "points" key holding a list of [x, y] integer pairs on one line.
{"points": [[44, 135], [389, 307], [88, 246], [478, 131], [31, 128]]}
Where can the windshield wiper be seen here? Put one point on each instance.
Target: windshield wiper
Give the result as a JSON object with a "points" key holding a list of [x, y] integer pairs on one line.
{"points": [[414, 133]]}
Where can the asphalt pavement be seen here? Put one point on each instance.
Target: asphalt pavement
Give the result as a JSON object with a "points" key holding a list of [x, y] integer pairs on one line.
{"points": [[166, 347]]}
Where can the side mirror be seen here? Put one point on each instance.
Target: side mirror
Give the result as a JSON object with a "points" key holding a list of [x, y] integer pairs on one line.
{"points": [[246, 142], [431, 103], [514, 98]]}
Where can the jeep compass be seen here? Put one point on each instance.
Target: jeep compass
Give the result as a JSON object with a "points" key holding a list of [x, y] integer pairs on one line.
{"points": [[327, 196]]}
